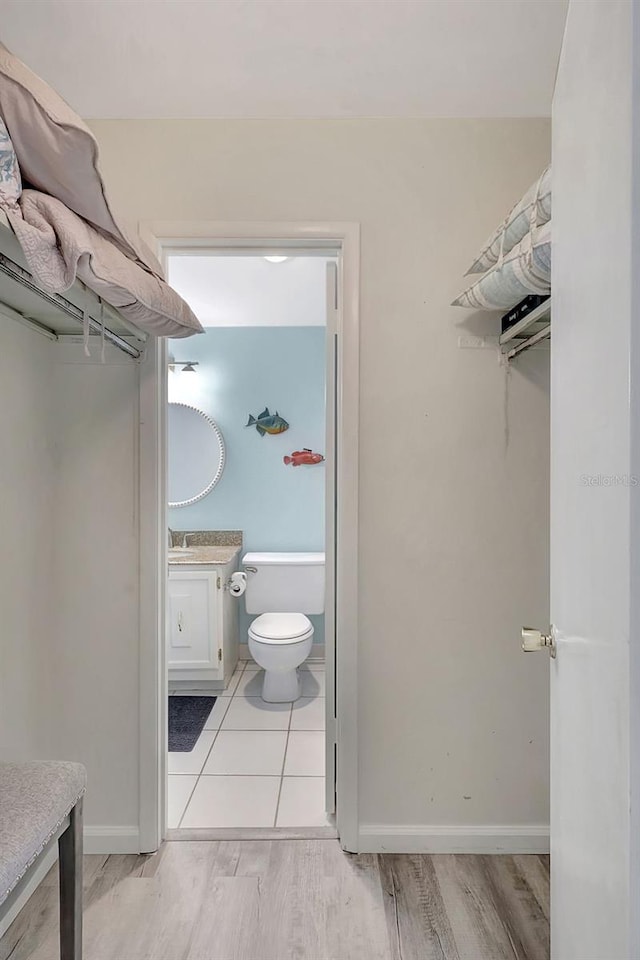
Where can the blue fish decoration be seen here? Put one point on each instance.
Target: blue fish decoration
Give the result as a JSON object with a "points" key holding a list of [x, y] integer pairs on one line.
{"points": [[266, 422]]}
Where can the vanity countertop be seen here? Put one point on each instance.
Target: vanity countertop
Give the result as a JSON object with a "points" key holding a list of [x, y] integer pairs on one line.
{"points": [[217, 555]]}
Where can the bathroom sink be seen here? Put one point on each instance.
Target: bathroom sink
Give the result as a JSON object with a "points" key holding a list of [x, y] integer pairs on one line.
{"points": [[176, 552]]}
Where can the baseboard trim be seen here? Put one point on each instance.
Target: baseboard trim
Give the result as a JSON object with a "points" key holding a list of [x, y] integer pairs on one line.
{"points": [[111, 839], [317, 652], [465, 838]]}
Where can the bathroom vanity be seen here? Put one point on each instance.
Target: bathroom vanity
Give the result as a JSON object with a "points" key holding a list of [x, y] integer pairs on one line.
{"points": [[202, 615]]}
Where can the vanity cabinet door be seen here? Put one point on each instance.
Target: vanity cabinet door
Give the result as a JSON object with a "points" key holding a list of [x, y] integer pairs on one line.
{"points": [[192, 633]]}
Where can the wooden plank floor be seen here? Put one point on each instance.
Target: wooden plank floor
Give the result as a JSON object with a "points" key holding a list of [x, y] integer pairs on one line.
{"points": [[296, 900]]}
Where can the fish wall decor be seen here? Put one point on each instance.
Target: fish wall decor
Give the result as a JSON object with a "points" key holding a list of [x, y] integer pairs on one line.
{"points": [[306, 457], [266, 422]]}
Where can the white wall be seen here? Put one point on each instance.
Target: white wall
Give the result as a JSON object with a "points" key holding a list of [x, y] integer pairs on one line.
{"points": [[93, 653], [454, 449], [69, 578], [26, 498]]}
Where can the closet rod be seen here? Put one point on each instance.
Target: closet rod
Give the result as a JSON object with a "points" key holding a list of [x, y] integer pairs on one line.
{"points": [[16, 272], [530, 342]]}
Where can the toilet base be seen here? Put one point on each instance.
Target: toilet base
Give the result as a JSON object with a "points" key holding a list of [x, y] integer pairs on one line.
{"points": [[281, 686]]}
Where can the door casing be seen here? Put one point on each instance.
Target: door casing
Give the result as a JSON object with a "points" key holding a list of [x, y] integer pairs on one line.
{"points": [[161, 236]]}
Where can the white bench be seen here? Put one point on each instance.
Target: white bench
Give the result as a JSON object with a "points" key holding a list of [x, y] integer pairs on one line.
{"points": [[41, 804]]}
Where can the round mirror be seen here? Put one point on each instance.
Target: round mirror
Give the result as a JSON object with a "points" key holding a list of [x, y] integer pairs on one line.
{"points": [[196, 454]]}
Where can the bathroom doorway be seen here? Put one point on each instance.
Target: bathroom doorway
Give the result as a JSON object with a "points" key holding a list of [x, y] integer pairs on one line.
{"points": [[276, 785], [246, 489]]}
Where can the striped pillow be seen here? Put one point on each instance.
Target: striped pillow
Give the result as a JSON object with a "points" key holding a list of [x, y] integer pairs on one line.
{"points": [[532, 211], [525, 270]]}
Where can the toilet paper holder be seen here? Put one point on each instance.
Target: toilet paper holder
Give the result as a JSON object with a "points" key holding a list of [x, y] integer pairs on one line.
{"points": [[237, 583]]}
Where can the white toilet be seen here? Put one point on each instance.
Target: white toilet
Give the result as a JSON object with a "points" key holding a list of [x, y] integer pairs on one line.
{"points": [[282, 588]]}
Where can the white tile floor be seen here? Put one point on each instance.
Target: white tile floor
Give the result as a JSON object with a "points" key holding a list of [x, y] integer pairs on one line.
{"points": [[255, 764]]}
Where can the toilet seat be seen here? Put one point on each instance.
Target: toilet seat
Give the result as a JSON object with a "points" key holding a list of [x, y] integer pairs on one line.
{"points": [[281, 628], [280, 643]]}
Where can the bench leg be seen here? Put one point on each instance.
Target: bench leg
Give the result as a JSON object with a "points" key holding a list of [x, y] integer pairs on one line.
{"points": [[70, 871]]}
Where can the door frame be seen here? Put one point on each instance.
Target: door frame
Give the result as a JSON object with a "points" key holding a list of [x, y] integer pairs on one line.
{"points": [[161, 235]]}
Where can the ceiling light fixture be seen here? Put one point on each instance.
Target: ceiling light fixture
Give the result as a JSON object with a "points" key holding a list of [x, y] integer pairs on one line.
{"points": [[276, 259]]}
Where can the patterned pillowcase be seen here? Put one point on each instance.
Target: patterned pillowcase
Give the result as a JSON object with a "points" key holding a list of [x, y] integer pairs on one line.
{"points": [[10, 180]]}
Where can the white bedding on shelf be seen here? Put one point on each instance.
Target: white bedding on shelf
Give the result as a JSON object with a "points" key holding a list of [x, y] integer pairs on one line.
{"points": [[67, 228], [58, 154], [60, 246]]}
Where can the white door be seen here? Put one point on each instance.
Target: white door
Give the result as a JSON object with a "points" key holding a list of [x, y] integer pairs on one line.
{"points": [[595, 532], [330, 535]]}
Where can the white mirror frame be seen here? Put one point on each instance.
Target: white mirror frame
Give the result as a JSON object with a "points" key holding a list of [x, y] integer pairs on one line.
{"points": [[218, 473]]}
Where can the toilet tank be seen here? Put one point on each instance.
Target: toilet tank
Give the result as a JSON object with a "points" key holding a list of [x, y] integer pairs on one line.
{"points": [[284, 582]]}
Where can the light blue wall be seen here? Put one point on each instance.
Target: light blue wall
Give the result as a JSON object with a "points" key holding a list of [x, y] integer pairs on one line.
{"points": [[241, 371]]}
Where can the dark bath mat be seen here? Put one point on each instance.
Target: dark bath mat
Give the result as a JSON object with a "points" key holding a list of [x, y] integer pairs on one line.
{"points": [[187, 717]]}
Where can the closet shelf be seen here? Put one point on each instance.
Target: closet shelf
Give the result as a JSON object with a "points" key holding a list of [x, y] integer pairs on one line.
{"points": [[56, 315], [532, 329]]}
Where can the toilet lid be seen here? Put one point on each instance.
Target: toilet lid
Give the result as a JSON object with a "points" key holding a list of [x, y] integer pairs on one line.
{"points": [[280, 627]]}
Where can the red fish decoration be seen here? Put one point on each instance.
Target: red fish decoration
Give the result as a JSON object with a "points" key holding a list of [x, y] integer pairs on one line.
{"points": [[304, 457]]}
